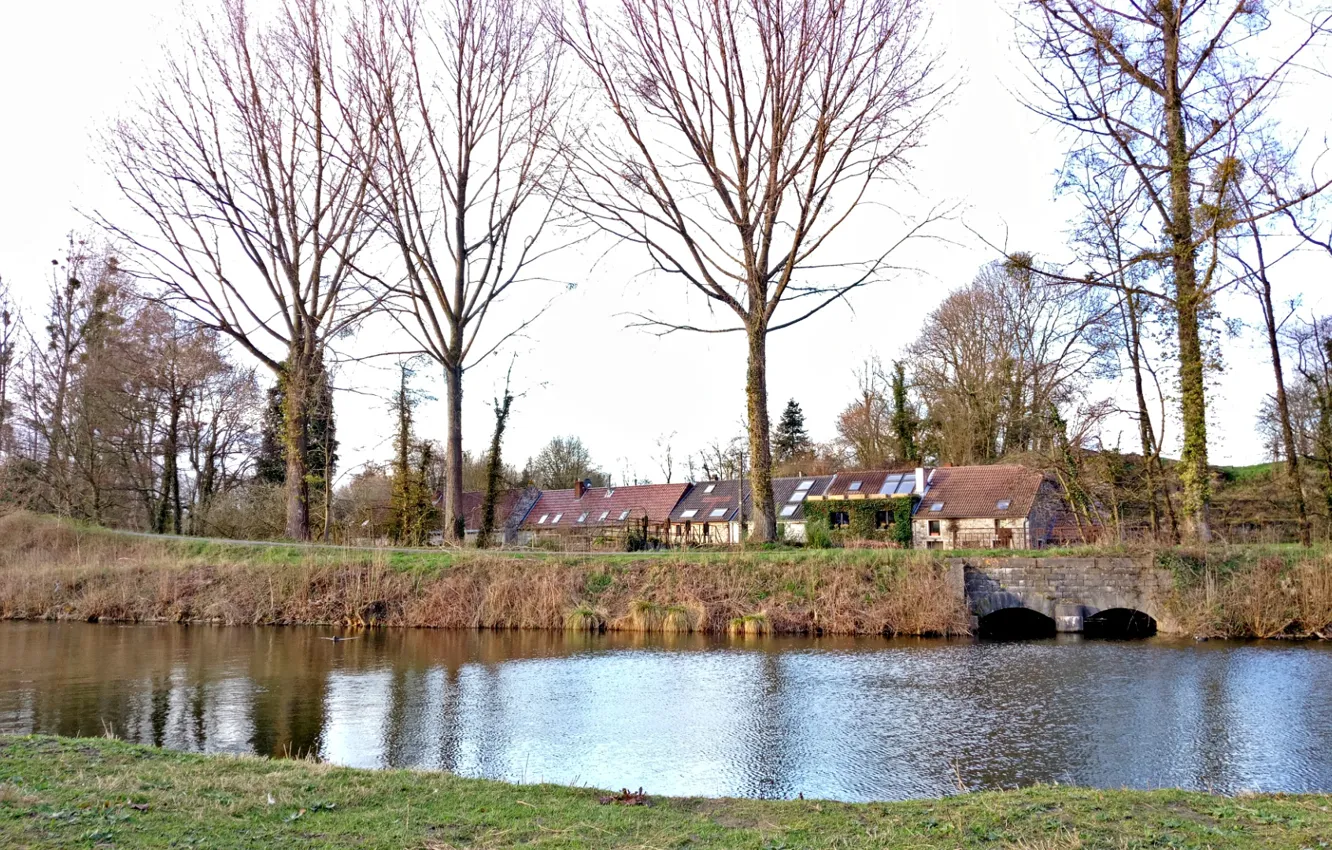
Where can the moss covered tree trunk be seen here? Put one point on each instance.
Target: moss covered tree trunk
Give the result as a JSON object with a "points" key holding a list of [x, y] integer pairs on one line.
{"points": [[295, 413], [1189, 299], [763, 526]]}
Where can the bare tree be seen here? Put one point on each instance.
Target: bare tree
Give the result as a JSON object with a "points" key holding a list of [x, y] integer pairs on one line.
{"points": [[240, 160], [998, 362], [866, 424], [1168, 92], [745, 134], [10, 332], [562, 463], [1255, 256], [468, 175], [1104, 239]]}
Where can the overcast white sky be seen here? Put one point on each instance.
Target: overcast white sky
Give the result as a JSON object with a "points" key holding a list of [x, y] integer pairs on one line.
{"points": [[67, 68]]}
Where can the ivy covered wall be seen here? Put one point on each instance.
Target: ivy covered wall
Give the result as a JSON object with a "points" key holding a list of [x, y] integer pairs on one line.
{"points": [[862, 521]]}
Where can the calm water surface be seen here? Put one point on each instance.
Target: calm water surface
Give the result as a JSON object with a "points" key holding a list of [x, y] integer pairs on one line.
{"points": [[849, 719]]}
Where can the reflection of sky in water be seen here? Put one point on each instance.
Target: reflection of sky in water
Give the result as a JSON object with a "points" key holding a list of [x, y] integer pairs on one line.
{"points": [[851, 719]]}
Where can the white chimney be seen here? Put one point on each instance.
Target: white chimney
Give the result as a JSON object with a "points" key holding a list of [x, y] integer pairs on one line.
{"points": [[920, 481]]}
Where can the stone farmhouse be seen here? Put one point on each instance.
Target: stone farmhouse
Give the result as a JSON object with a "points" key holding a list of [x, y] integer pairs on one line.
{"points": [[972, 507], [989, 507]]}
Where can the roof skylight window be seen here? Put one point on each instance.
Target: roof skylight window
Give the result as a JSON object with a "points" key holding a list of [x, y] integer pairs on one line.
{"points": [[604, 514], [716, 512], [556, 519], [789, 510], [542, 521], [855, 485], [610, 491], [937, 506], [798, 496], [709, 488], [805, 485], [582, 517], [624, 515], [689, 514], [1003, 504]]}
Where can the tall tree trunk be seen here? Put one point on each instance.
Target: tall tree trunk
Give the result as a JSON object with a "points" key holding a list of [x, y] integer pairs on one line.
{"points": [[1150, 457], [454, 521], [1194, 470], [295, 413], [1282, 403], [764, 528]]}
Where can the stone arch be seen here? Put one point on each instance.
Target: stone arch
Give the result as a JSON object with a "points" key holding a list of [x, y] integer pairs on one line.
{"points": [[1015, 622], [1119, 623]]}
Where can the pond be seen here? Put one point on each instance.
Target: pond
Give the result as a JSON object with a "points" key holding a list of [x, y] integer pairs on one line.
{"points": [[849, 719]]}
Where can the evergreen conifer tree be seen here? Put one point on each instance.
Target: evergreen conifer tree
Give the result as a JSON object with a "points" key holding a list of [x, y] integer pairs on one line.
{"points": [[791, 438]]}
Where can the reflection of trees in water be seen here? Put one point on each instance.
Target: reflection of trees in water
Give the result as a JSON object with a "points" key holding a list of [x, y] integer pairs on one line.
{"points": [[289, 671], [872, 719]]}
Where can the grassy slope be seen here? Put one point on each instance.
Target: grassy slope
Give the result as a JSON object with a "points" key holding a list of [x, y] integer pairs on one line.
{"points": [[82, 793]]}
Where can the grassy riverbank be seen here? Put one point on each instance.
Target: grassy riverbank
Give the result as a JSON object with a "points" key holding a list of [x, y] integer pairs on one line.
{"points": [[51, 569], [88, 793], [55, 569]]}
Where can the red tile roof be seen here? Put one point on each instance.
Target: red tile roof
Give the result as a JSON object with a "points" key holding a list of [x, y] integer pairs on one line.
{"points": [[974, 492], [604, 506]]}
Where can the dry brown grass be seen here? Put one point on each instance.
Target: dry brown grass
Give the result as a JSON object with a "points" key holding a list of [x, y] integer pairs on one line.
{"points": [[56, 570], [1265, 599]]}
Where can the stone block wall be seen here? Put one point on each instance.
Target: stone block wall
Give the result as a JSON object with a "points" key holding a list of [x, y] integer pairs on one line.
{"points": [[1067, 590]]}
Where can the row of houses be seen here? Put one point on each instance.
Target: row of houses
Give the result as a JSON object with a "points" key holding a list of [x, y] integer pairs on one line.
{"points": [[972, 507]]}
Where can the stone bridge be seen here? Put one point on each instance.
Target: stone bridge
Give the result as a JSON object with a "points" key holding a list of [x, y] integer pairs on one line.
{"points": [[1067, 590]]}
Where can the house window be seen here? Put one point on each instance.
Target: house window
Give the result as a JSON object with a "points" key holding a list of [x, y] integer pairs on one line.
{"points": [[933, 544], [882, 520], [839, 519], [934, 528]]}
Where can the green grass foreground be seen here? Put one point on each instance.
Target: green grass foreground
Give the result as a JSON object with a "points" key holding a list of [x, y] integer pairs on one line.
{"points": [[58, 792]]}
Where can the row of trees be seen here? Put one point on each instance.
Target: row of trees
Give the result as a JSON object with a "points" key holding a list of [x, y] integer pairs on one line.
{"points": [[282, 159], [296, 171], [115, 410]]}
